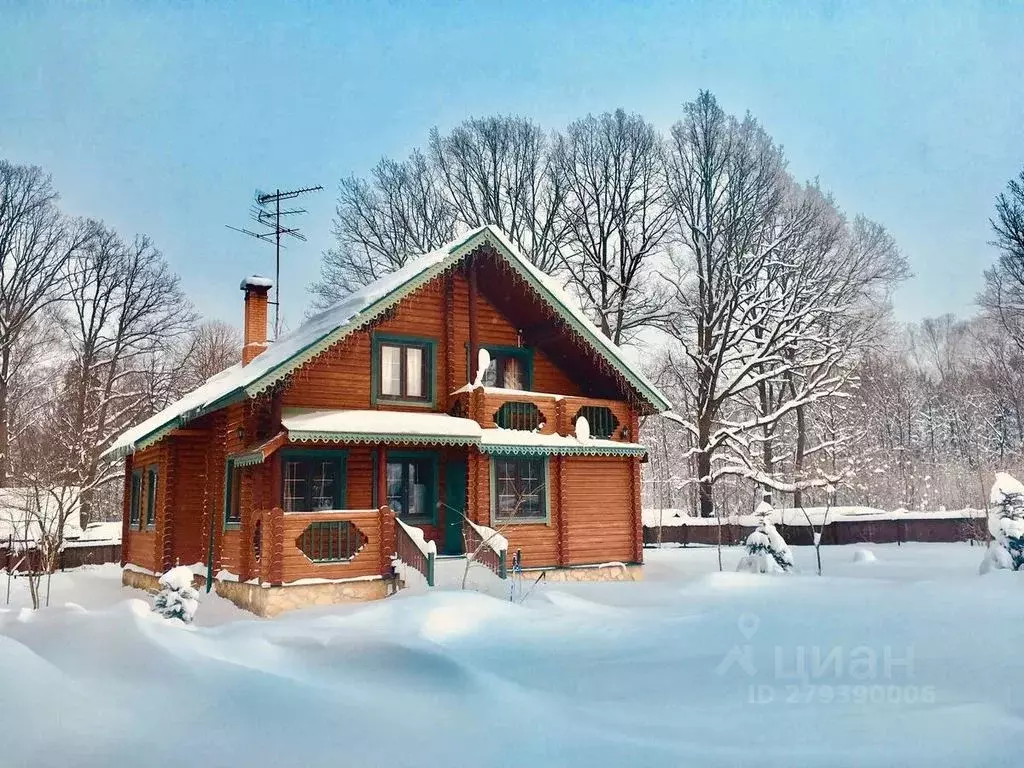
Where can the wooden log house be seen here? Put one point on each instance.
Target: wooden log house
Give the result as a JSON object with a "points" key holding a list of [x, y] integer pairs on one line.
{"points": [[297, 474]]}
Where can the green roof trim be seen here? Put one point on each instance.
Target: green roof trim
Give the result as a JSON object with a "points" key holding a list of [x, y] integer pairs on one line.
{"points": [[250, 459], [364, 438], [441, 261], [483, 236], [567, 450]]}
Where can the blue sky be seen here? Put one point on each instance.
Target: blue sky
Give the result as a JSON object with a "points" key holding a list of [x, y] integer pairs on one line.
{"points": [[164, 117]]}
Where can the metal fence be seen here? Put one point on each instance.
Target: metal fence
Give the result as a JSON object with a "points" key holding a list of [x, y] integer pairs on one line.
{"points": [[889, 531]]}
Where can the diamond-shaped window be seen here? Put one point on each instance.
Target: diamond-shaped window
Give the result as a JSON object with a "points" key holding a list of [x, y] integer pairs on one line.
{"points": [[331, 541]]}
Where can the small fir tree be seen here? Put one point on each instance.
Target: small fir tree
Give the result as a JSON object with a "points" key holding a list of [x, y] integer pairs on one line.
{"points": [[177, 599], [1006, 524], [767, 551]]}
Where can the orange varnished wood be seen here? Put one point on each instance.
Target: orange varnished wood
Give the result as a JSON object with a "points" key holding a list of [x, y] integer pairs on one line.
{"points": [[367, 562], [594, 502], [598, 505]]}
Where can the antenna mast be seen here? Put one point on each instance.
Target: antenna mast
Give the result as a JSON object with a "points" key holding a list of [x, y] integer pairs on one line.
{"points": [[266, 211]]}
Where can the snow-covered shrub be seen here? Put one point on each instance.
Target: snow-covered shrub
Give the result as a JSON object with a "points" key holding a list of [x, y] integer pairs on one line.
{"points": [[861, 555], [177, 599], [1006, 524], [767, 551]]}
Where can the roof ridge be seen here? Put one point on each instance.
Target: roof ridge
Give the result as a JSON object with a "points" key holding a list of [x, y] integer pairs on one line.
{"points": [[321, 331]]}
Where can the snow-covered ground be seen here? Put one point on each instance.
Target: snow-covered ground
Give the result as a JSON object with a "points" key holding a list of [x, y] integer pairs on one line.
{"points": [[912, 659]]}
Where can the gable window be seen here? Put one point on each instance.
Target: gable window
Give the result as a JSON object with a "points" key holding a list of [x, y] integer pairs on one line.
{"points": [[135, 503], [151, 481], [313, 481], [403, 369], [412, 486], [520, 490], [233, 496], [510, 368]]}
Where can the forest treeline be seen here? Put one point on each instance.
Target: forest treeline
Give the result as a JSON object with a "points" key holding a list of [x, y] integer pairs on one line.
{"points": [[760, 305]]}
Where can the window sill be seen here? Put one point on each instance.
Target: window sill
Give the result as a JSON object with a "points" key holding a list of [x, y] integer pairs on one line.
{"points": [[385, 401], [522, 521], [416, 521], [233, 526]]}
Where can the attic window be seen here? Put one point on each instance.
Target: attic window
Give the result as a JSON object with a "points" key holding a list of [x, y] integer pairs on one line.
{"points": [[601, 420], [510, 367], [403, 369]]}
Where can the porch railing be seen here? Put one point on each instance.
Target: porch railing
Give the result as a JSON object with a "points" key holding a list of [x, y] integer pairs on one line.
{"points": [[548, 413], [486, 546], [412, 548], [332, 544]]}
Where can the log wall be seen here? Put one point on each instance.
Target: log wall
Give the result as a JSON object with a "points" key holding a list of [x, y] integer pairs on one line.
{"points": [[367, 562], [340, 377], [143, 546], [593, 501], [599, 511], [593, 516]]}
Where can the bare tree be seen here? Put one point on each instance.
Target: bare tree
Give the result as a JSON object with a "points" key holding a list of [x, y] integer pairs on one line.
{"points": [[1003, 296], [610, 169], [495, 170], [401, 211], [124, 307], [45, 501], [36, 243], [209, 348], [727, 189]]}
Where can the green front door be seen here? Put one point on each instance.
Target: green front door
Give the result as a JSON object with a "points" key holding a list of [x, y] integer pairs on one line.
{"points": [[455, 505]]}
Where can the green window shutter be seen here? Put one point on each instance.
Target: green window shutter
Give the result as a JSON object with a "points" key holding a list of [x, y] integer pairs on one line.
{"points": [[135, 503], [152, 477]]}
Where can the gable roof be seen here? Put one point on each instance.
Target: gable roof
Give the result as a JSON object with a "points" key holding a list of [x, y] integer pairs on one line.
{"points": [[295, 348]]}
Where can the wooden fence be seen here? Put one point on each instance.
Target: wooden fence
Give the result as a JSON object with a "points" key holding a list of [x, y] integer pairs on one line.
{"points": [[70, 557], [884, 531]]}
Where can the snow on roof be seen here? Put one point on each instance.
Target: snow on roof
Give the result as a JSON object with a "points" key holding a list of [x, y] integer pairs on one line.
{"points": [[603, 343], [256, 281], [101, 533], [25, 513], [494, 439], [311, 422], [303, 424], [293, 349]]}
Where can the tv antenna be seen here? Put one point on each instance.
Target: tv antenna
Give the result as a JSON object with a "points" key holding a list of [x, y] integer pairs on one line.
{"points": [[266, 211]]}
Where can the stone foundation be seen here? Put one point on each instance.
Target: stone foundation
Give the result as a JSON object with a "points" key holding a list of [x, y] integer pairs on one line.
{"points": [[144, 581], [272, 601], [618, 572]]}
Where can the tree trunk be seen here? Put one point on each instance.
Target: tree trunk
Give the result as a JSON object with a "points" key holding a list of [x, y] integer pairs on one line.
{"points": [[798, 455], [5, 438], [704, 485]]}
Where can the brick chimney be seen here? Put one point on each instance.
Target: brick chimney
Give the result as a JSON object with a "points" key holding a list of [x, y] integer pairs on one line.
{"points": [[256, 289]]}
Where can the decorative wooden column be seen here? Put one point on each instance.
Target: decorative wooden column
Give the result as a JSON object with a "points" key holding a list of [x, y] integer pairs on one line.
{"points": [[382, 476], [474, 338], [563, 521], [448, 343], [386, 531], [166, 490], [126, 510]]}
